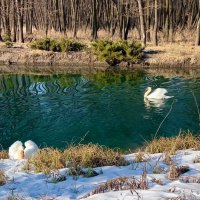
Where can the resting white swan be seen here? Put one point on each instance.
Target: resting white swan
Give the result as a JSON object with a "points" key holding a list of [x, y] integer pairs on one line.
{"points": [[14, 150], [17, 151], [158, 93], [30, 150]]}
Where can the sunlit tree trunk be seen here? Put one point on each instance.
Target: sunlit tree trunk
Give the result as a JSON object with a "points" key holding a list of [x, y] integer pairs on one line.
{"points": [[142, 25], [197, 42], [155, 31]]}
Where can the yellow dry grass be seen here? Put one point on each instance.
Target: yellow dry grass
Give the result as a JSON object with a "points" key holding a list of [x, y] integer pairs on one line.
{"points": [[93, 156], [173, 53], [46, 160], [3, 178], [4, 154], [172, 144], [79, 156]]}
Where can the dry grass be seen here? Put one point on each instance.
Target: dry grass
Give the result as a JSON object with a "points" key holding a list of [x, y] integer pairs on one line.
{"points": [[47, 198], [158, 181], [197, 159], [46, 160], [76, 158], [140, 157], [173, 53], [3, 178], [171, 145], [176, 171], [183, 197], [167, 159], [93, 156], [14, 197], [4, 154], [121, 183], [190, 179]]}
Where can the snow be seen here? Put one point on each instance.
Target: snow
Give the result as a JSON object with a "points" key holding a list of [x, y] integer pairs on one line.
{"points": [[31, 186]]}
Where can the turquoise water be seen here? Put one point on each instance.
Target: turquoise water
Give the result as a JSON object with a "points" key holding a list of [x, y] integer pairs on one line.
{"points": [[108, 109]]}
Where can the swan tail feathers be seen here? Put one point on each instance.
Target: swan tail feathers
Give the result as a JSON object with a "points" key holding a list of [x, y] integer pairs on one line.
{"points": [[168, 97]]}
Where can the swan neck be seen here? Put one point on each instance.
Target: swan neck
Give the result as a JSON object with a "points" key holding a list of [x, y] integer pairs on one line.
{"points": [[147, 93]]}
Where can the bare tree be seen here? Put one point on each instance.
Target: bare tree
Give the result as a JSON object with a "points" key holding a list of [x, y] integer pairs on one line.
{"points": [[197, 42], [155, 31], [142, 25]]}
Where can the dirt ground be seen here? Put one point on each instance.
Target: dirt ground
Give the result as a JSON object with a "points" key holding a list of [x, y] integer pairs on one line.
{"points": [[173, 55]]}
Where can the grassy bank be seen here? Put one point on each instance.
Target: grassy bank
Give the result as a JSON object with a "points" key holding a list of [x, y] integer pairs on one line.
{"points": [[27, 60], [97, 170], [174, 54], [89, 156]]}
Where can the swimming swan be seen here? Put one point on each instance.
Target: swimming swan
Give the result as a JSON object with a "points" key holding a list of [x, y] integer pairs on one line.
{"points": [[157, 103], [17, 151], [158, 93]]}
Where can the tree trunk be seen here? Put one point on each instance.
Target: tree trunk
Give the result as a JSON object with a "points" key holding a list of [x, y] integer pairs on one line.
{"points": [[0, 24], [167, 20], [19, 6], [14, 23], [94, 19], [171, 31], [142, 25], [148, 21], [197, 42], [46, 18], [155, 31]]}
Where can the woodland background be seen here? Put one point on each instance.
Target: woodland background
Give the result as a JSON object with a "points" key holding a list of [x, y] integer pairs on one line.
{"points": [[151, 20]]}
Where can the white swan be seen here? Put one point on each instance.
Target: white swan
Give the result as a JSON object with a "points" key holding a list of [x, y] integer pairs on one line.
{"points": [[17, 151], [30, 150], [14, 150], [157, 103], [158, 93]]}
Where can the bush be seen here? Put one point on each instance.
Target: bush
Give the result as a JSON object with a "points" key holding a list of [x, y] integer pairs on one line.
{"points": [[171, 145], [41, 44], [8, 44], [4, 154], [47, 160], [3, 178], [75, 46], [116, 52], [75, 158], [93, 156], [57, 45], [6, 37]]}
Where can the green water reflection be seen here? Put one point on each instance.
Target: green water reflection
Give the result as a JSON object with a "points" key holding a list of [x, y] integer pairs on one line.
{"points": [[108, 108]]}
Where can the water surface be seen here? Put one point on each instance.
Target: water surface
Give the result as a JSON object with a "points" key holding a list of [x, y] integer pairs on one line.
{"points": [[105, 108]]}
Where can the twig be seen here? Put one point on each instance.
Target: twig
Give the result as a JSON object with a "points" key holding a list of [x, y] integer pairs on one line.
{"points": [[164, 119], [196, 105]]}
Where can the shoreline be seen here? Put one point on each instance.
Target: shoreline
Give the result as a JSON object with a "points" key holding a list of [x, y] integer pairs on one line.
{"points": [[171, 60], [166, 168]]}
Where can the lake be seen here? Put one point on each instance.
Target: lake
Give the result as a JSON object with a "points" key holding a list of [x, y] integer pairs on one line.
{"points": [[104, 108]]}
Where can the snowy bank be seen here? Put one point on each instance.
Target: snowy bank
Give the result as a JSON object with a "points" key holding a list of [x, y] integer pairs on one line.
{"points": [[29, 185]]}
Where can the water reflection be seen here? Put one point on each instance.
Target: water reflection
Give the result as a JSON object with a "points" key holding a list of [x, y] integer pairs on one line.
{"points": [[109, 107], [157, 103]]}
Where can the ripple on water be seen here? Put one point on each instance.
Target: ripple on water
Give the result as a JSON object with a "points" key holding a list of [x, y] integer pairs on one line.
{"points": [[55, 110]]}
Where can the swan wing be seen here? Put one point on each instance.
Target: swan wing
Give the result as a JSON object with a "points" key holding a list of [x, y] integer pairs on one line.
{"points": [[158, 93], [30, 143], [13, 149], [31, 149], [29, 152], [157, 102]]}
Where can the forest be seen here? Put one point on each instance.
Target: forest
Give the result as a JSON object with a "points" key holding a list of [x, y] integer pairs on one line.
{"points": [[152, 20]]}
